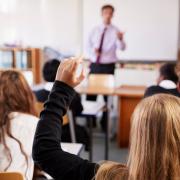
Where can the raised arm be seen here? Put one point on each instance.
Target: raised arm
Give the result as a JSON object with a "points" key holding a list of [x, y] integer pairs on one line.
{"points": [[120, 41], [47, 152]]}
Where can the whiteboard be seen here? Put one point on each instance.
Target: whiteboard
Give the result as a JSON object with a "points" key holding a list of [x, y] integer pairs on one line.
{"points": [[151, 26], [42, 23]]}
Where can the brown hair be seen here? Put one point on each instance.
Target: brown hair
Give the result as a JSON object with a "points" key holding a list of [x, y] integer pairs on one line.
{"points": [[112, 171], [15, 96], [155, 139], [154, 142], [108, 6]]}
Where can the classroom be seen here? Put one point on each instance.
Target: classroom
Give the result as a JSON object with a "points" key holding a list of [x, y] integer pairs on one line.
{"points": [[89, 90]]}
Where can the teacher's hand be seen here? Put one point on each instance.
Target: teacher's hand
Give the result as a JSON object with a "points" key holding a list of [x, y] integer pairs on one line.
{"points": [[67, 72], [120, 35]]}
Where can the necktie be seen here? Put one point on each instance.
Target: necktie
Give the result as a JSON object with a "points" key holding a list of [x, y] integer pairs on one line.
{"points": [[101, 45]]}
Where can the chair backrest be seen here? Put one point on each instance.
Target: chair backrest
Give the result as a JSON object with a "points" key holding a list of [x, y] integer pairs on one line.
{"points": [[11, 176], [39, 108], [101, 80]]}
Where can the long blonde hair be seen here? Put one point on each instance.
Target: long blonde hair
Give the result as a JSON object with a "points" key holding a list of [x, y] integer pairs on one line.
{"points": [[154, 142], [155, 139]]}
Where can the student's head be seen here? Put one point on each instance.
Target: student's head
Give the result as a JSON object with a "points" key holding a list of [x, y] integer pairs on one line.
{"points": [[167, 72], [155, 139], [15, 96], [107, 13], [50, 69], [154, 142], [112, 171]]}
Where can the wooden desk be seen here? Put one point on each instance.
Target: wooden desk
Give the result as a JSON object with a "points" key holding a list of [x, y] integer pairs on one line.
{"points": [[128, 98], [95, 90], [92, 90]]}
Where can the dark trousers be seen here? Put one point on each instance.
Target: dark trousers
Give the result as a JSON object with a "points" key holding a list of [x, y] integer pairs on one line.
{"points": [[101, 69]]}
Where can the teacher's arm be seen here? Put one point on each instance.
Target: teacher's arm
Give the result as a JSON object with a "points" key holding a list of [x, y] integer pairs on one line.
{"points": [[121, 44], [47, 151]]}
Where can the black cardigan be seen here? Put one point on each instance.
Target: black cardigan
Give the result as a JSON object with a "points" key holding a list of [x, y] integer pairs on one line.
{"points": [[75, 106], [47, 152], [157, 89]]}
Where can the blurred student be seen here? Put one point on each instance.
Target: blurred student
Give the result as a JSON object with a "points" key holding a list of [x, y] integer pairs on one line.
{"points": [[49, 74], [155, 137], [17, 124], [166, 83]]}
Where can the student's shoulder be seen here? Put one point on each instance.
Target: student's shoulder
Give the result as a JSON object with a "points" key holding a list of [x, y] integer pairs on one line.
{"points": [[152, 90], [30, 118], [153, 87], [23, 119], [41, 95], [175, 92], [40, 91]]}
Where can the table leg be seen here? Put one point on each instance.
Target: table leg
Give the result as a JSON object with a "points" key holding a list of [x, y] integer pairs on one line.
{"points": [[91, 138], [108, 128], [107, 139]]}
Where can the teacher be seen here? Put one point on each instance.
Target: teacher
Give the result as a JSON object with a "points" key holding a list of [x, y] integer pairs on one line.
{"points": [[103, 42]]}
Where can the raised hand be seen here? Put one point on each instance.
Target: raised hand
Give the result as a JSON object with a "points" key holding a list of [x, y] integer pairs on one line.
{"points": [[67, 72], [120, 35]]}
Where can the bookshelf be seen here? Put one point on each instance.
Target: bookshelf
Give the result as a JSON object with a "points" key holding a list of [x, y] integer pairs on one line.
{"points": [[27, 60]]}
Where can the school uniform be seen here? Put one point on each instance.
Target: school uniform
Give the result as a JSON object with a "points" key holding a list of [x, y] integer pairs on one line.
{"points": [[42, 96], [165, 86], [23, 128], [76, 107], [47, 151]]}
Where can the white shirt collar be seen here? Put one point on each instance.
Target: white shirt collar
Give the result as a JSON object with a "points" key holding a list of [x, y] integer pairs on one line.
{"points": [[167, 84], [105, 26], [48, 86]]}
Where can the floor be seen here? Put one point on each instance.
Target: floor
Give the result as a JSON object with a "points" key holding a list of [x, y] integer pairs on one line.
{"points": [[115, 153]]}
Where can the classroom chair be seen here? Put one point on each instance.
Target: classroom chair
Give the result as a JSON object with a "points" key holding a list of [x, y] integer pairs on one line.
{"points": [[11, 176], [67, 119], [98, 84]]}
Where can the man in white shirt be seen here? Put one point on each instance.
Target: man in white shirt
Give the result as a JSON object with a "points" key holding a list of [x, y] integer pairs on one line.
{"points": [[103, 42]]}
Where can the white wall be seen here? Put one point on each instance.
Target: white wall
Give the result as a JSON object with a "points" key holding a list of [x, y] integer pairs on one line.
{"points": [[151, 26], [42, 22], [136, 77]]}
